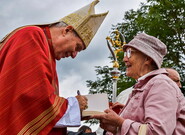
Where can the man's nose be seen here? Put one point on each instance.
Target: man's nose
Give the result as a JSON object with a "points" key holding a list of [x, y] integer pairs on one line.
{"points": [[74, 54]]}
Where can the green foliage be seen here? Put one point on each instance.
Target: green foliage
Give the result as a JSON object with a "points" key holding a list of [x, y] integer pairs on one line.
{"points": [[164, 19], [103, 84]]}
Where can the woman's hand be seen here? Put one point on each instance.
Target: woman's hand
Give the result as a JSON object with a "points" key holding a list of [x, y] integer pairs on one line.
{"points": [[117, 105], [109, 121]]}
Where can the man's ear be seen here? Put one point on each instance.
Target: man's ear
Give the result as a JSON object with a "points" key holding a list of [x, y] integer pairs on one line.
{"points": [[66, 29], [69, 28]]}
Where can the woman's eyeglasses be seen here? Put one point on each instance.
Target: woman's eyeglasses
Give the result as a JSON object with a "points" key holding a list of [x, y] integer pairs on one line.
{"points": [[128, 53]]}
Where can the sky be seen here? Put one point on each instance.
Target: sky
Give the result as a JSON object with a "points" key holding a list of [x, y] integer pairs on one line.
{"points": [[72, 73]]}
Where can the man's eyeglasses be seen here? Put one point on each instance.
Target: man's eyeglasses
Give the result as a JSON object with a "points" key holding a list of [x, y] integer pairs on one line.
{"points": [[128, 52]]}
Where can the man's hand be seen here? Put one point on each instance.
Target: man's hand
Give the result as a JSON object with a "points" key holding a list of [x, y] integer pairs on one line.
{"points": [[82, 100]]}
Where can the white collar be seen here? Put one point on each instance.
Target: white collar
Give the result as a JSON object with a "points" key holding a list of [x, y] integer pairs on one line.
{"points": [[144, 76]]}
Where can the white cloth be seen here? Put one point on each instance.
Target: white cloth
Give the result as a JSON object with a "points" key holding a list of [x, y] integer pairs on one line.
{"points": [[72, 116], [124, 95]]}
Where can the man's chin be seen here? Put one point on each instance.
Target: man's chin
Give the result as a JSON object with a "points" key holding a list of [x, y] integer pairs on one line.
{"points": [[58, 58]]}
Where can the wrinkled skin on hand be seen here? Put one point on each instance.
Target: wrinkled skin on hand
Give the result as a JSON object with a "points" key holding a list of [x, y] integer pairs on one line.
{"points": [[116, 107], [110, 128], [82, 100], [117, 104], [110, 121]]}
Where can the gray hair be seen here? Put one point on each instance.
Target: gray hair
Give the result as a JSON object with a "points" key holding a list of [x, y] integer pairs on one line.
{"points": [[63, 24], [59, 24]]}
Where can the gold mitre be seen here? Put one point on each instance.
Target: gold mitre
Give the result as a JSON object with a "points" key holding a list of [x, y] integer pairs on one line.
{"points": [[85, 21]]}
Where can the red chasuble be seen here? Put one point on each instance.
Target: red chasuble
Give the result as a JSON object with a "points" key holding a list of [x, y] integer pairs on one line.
{"points": [[28, 84]]}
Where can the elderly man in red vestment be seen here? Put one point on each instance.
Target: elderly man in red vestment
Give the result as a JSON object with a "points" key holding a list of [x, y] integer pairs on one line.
{"points": [[29, 100]]}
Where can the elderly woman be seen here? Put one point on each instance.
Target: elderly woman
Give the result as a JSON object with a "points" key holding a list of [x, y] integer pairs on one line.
{"points": [[156, 105]]}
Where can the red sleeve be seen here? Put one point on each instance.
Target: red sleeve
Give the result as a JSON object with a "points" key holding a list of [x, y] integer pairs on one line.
{"points": [[28, 103]]}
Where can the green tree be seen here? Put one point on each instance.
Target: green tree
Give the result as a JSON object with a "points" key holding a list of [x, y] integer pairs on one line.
{"points": [[162, 19]]}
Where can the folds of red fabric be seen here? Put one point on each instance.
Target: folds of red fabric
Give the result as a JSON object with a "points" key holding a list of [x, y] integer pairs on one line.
{"points": [[28, 84]]}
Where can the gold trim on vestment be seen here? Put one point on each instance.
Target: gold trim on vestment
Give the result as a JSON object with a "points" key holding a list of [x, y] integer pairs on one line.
{"points": [[37, 124]]}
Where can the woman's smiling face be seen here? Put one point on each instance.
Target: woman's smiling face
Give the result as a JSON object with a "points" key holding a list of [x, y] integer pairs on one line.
{"points": [[134, 62]]}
